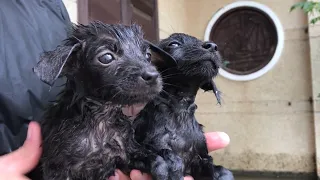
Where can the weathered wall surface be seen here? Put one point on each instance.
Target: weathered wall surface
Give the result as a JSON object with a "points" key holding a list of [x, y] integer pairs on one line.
{"points": [[314, 36], [71, 6], [267, 134]]}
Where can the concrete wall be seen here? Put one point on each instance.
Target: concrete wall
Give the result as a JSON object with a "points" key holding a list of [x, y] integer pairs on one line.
{"points": [[314, 36], [266, 133]]}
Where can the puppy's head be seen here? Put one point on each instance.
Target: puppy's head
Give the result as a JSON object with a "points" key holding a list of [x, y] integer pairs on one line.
{"points": [[110, 62], [194, 59]]}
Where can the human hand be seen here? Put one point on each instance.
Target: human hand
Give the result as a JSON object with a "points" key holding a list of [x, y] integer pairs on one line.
{"points": [[14, 165], [215, 141]]}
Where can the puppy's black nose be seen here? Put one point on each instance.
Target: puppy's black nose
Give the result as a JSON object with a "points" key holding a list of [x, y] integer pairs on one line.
{"points": [[150, 76], [210, 46]]}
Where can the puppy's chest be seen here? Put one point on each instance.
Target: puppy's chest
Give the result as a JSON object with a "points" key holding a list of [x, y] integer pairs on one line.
{"points": [[183, 129], [108, 131], [108, 136], [184, 136], [103, 131]]}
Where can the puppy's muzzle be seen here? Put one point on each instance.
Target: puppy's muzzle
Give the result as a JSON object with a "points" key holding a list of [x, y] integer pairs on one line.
{"points": [[210, 46], [150, 77]]}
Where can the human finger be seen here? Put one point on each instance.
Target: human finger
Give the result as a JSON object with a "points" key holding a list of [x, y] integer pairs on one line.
{"points": [[217, 140], [13, 177], [27, 156], [137, 175], [188, 178]]}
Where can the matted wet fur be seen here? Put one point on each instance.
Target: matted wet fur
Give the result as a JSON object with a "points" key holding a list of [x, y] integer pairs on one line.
{"points": [[167, 124], [86, 134]]}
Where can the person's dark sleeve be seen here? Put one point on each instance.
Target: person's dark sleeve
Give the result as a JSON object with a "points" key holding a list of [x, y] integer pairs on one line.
{"points": [[27, 28]]}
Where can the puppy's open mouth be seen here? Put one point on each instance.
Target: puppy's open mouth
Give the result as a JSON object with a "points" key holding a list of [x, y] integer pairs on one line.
{"points": [[132, 111]]}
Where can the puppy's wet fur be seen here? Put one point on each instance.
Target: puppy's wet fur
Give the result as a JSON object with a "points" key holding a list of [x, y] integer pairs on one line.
{"points": [[167, 125], [86, 135]]}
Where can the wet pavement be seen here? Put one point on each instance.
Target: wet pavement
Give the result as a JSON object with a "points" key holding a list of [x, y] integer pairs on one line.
{"points": [[261, 178]]}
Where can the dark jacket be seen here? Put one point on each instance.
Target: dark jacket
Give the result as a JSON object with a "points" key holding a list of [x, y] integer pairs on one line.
{"points": [[27, 28]]}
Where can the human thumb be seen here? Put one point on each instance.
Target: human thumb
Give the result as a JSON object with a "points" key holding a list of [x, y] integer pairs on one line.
{"points": [[26, 157]]}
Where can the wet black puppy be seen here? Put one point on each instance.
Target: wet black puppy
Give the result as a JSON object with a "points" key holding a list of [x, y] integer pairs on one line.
{"points": [[87, 132], [167, 124]]}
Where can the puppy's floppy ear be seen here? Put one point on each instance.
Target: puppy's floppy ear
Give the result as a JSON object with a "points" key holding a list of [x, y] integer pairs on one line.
{"points": [[211, 86], [160, 58], [51, 63]]}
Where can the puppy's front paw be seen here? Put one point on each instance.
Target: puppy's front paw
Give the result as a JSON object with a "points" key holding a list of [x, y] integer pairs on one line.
{"points": [[192, 108], [159, 169], [176, 167], [221, 173], [175, 164]]}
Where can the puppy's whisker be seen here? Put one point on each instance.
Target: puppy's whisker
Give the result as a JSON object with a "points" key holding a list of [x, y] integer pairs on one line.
{"points": [[171, 85], [167, 70], [115, 95], [76, 38], [107, 85], [167, 93], [170, 75], [172, 28]]}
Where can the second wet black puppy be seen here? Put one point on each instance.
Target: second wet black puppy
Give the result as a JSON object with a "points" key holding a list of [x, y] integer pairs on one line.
{"points": [[87, 132], [167, 124]]}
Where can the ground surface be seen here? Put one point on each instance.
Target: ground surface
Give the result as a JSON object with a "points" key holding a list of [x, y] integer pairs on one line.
{"points": [[262, 178], [253, 178]]}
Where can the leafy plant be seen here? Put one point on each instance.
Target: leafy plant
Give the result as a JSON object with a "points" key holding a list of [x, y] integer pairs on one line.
{"points": [[225, 63], [309, 7]]}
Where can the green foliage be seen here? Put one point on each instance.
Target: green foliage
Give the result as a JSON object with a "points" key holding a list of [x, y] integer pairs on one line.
{"points": [[225, 63], [308, 7]]}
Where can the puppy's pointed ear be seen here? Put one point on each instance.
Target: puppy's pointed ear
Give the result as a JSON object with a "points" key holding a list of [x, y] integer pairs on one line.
{"points": [[52, 63], [160, 58], [211, 86]]}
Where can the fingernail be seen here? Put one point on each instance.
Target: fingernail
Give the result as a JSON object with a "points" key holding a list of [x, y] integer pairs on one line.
{"points": [[188, 178], [224, 136], [136, 175], [29, 132]]}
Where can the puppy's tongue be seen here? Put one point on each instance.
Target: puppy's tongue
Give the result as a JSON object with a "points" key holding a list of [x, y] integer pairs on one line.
{"points": [[133, 110]]}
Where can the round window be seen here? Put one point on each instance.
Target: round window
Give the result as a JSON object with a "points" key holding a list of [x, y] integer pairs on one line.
{"points": [[249, 37]]}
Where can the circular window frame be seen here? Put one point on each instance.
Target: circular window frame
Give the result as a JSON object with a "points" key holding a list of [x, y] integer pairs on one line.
{"points": [[280, 36]]}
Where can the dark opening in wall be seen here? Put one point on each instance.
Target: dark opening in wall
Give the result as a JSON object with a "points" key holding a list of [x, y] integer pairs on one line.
{"points": [[247, 39]]}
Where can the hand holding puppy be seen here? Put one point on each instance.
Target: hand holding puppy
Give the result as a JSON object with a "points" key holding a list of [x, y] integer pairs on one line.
{"points": [[14, 165]]}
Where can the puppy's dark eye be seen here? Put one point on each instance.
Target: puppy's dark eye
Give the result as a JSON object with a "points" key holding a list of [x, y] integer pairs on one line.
{"points": [[148, 56], [174, 44], [106, 58]]}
